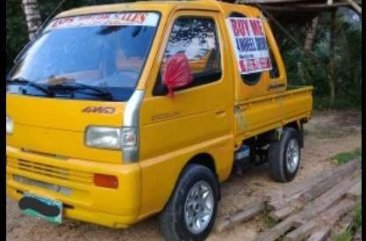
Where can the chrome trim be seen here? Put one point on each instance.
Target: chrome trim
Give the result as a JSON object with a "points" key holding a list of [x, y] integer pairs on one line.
{"points": [[131, 119], [9, 125]]}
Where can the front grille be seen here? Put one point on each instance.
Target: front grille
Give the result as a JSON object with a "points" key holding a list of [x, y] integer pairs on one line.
{"points": [[51, 171]]}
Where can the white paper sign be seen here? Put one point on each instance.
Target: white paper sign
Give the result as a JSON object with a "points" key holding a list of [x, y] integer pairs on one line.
{"points": [[249, 41], [107, 19]]}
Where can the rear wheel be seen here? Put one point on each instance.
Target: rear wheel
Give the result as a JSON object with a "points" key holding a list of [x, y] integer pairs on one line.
{"points": [[191, 211], [284, 156]]}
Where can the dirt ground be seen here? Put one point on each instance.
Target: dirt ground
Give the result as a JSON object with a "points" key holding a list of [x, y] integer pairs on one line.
{"points": [[327, 134]]}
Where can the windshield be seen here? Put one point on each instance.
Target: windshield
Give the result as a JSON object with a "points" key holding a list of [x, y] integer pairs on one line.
{"points": [[84, 57]]}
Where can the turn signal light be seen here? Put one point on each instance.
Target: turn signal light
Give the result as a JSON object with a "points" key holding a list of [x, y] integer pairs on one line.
{"points": [[103, 180]]}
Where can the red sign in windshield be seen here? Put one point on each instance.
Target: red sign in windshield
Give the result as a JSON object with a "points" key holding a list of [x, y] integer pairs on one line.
{"points": [[107, 19]]}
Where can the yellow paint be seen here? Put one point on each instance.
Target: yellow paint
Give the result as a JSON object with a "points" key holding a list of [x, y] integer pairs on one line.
{"points": [[50, 132]]}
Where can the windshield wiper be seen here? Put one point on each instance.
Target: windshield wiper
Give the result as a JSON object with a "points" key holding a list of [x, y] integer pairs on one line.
{"points": [[26, 82], [78, 87]]}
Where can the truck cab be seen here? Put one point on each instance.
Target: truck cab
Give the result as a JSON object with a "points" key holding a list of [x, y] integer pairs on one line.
{"points": [[119, 112]]}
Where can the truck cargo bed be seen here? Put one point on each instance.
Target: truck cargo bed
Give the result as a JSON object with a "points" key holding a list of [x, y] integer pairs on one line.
{"points": [[258, 115]]}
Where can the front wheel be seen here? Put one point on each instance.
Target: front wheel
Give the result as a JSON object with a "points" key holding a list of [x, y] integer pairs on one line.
{"points": [[191, 210]]}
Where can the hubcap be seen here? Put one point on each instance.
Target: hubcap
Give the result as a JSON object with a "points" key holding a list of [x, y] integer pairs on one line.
{"points": [[292, 155], [199, 206]]}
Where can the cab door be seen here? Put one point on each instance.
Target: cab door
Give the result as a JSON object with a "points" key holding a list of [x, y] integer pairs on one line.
{"points": [[197, 119]]}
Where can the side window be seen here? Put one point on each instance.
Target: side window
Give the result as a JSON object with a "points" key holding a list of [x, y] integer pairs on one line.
{"points": [[196, 37]]}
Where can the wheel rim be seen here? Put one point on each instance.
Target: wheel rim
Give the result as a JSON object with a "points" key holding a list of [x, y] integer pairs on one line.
{"points": [[199, 207], [292, 155]]}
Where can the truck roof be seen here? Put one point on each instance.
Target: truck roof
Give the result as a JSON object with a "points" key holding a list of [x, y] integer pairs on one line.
{"points": [[160, 6]]}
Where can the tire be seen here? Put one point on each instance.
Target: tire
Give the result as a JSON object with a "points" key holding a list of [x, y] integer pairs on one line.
{"points": [[283, 167], [175, 218]]}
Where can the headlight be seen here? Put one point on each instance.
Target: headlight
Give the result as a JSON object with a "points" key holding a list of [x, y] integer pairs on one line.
{"points": [[110, 137], [9, 125], [103, 137]]}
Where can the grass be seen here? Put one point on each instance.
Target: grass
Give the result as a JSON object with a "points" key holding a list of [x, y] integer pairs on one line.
{"points": [[356, 225], [345, 157], [357, 218], [345, 236], [267, 220]]}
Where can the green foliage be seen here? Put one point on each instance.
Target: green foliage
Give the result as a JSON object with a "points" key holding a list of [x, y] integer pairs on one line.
{"points": [[357, 218], [345, 236], [314, 70], [267, 220], [342, 102], [16, 28], [355, 226], [345, 157]]}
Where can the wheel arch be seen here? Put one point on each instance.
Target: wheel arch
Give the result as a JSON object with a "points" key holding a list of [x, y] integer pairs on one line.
{"points": [[204, 159], [298, 126]]}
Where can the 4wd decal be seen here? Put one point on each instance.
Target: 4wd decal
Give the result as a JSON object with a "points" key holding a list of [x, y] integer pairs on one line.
{"points": [[99, 109]]}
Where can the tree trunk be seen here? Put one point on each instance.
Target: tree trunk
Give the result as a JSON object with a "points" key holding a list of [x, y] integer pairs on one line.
{"points": [[332, 57], [32, 17], [310, 33]]}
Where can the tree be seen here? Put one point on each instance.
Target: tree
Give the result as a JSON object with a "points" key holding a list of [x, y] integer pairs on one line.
{"points": [[32, 17], [332, 36], [335, 74]]}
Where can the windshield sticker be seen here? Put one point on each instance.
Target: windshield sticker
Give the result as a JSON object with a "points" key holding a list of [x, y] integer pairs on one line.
{"points": [[250, 44], [106, 19]]}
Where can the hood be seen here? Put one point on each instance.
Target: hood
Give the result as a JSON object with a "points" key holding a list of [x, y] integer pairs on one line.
{"points": [[57, 126]]}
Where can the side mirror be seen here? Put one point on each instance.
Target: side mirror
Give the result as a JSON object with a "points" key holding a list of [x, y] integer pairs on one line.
{"points": [[177, 73]]}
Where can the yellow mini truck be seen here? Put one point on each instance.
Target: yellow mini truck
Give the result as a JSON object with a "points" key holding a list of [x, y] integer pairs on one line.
{"points": [[119, 112]]}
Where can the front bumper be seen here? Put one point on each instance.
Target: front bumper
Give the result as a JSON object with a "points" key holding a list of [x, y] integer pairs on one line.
{"points": [[82, 200]]}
